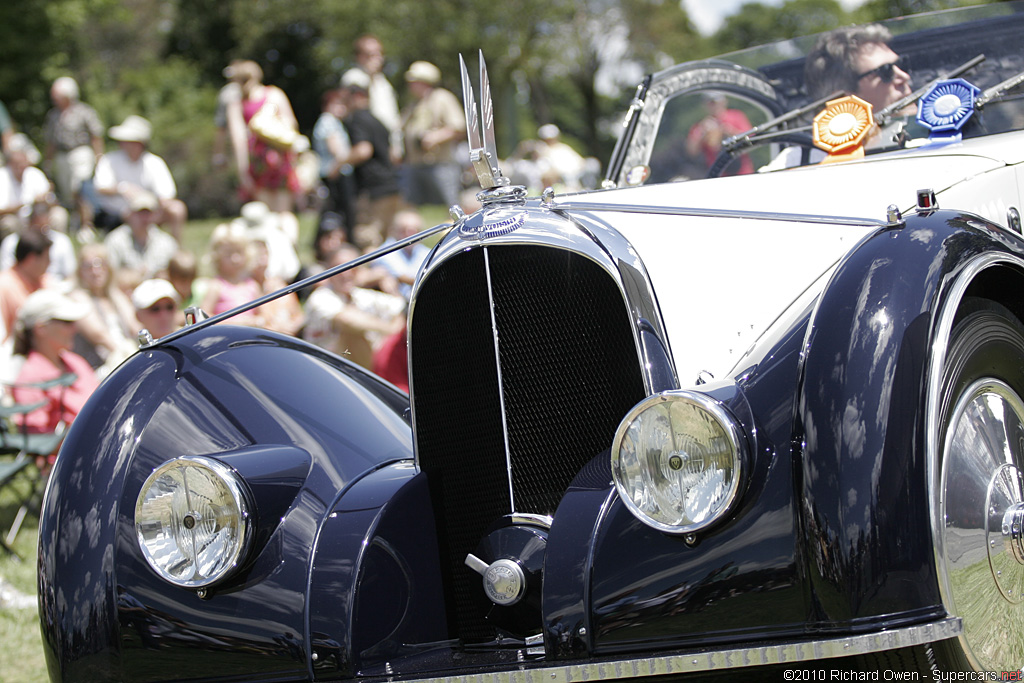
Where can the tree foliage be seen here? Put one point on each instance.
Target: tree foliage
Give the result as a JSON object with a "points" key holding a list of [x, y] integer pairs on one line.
{"points": [[757, 23], [570, 62]]}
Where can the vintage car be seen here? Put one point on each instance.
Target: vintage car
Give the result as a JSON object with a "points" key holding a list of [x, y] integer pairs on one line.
{"points": [[675, 426]]}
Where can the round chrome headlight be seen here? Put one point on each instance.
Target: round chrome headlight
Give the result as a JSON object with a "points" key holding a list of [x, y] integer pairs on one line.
{"points": [[678, 460], [192, 521]]}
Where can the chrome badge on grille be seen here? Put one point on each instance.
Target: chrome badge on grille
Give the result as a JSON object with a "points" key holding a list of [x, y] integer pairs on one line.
{"points": [[492, 224]]}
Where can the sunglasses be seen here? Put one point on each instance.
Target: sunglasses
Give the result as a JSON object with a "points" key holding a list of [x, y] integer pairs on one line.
{"points": [[161, 308], [887, 72]]}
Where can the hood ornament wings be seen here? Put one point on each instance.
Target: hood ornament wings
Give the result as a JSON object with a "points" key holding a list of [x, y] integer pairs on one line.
{"points": [[483, 152]]}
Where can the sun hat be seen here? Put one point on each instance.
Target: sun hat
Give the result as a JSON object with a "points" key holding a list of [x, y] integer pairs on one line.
{"points": [[19, 142], [423, 72], [356, 79], [548, 131], [132, 129], [258, 221], [143, 201], [45, 305]]}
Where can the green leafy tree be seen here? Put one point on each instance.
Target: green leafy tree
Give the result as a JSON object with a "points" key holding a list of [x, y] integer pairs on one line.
{"points": [[878, 10], [661, 33], [757, 23]]}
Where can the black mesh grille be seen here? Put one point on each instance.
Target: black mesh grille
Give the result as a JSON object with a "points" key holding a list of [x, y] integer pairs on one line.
{"points": [[569, 371]]}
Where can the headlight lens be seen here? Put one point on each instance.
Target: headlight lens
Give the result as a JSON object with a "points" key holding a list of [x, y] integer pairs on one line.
{"points": [[192, 521], [677, 460]]}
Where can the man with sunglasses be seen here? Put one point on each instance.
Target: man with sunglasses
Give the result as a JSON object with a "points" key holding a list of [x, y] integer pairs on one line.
{"points": [[857, 60]]}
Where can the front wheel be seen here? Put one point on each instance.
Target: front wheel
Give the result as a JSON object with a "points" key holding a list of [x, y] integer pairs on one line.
{"points": [[980, 528]]}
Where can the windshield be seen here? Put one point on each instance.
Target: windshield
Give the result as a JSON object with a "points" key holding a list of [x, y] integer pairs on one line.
{"points": [[690, 110]]}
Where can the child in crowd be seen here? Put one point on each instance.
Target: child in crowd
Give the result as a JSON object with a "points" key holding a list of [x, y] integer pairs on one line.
{"points": [[231, 254], [182, 272]]}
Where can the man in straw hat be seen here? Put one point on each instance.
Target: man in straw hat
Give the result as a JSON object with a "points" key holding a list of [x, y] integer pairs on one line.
{"points": [[132, 169], [433, 124]]}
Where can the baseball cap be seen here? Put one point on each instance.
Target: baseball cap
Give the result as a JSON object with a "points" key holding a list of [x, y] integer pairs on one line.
{"points": [[150, 291]]}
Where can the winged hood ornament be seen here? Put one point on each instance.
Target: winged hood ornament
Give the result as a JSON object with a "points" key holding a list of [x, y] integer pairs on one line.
{"points": [[483, 152]]}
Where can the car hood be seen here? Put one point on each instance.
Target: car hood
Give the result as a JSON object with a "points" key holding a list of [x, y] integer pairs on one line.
{"points": [[731, 275]]}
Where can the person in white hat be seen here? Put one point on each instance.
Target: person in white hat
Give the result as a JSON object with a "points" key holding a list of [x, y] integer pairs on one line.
{"points": [[561, 165], [132, 169], [23, 184], [157, 307], [44, 333], [433, 124], [278, 231]]}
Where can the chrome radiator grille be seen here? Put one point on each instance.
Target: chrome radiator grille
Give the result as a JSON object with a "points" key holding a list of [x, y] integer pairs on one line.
{"points": [[564, 374]]}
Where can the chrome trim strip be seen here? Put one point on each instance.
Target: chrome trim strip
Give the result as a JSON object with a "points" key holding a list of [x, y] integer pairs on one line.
{"points": [[936, 369], [815, 219], [699, 660], [531, 519], [501, 383]]}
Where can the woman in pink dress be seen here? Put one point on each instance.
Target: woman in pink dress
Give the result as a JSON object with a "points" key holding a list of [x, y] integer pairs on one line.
{"points": [[44, 333], [265, 137]]}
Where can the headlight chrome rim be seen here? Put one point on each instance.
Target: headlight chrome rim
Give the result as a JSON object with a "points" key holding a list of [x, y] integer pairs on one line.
{"points": [[731, 430], [207, 566]]}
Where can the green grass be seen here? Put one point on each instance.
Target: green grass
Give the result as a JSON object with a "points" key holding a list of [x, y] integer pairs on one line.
{"points": [[21, 646]]}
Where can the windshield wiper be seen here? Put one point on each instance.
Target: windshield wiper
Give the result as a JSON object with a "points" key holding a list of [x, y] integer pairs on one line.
{"points": [[998, 90], [766, 131], [884, 116]]}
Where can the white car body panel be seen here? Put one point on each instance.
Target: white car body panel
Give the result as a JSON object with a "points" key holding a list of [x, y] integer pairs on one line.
{"points": [[742, 273]]}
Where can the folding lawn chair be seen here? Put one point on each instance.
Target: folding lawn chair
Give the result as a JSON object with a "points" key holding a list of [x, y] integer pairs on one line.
{"points": [[26, 446]]}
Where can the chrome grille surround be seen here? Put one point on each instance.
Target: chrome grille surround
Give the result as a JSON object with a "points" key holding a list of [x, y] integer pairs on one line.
{"points": [[524, 350]]}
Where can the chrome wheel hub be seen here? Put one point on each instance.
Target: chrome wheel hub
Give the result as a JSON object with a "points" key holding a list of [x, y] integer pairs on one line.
{"points": [[1006, 540], [1012, 537], [983, 517]]}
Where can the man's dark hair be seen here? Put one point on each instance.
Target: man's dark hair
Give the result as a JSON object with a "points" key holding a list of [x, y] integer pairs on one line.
{"points": [[31, 242], [830, 65]]}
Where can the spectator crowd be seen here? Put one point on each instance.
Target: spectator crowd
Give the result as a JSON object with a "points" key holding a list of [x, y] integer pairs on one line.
{"points": [[91, 257]]}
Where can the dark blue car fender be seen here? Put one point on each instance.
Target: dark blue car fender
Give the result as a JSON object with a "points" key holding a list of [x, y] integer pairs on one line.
{"points": [[862, 478], [297, 424]]}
